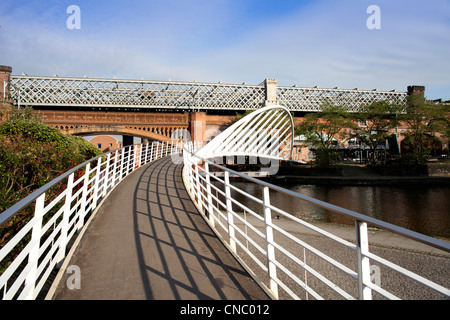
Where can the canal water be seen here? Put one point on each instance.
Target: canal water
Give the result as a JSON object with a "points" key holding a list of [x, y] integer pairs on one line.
{"points": [[421, 208]]}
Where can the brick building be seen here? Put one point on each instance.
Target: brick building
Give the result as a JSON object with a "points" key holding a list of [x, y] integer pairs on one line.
{"points": [[106, 143]]}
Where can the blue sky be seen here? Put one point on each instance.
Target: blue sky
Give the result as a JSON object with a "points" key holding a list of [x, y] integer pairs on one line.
{"points": [[304, 43]]}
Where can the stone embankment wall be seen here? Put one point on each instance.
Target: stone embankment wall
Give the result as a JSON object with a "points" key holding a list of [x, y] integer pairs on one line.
{"points": [[431, 169]]}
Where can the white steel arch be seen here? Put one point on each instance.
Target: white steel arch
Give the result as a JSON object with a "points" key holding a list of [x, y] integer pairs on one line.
{"points": [[267, 132]]}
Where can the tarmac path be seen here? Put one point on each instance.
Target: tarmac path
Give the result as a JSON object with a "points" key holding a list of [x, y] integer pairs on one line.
{"points": [[148, 242]]}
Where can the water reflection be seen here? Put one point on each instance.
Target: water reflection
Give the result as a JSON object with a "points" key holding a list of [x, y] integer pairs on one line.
{"points": [[423, 209]]}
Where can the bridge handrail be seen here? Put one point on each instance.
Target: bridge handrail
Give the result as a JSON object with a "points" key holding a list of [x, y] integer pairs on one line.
{"points": [[56, 221], [220, 212]]}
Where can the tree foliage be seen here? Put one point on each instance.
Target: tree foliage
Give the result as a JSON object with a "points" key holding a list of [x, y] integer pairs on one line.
{"points": [[424, 119], [427, 124], [380, 117], [33, 153], [323, 129]]}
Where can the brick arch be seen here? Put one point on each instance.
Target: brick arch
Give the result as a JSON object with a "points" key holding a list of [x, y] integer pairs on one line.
{"points": [[141, 132]]}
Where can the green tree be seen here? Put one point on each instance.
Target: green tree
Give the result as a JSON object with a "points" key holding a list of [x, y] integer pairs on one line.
{"points": [[443, 120], [424, 118], [323, 129], [380, 117]]}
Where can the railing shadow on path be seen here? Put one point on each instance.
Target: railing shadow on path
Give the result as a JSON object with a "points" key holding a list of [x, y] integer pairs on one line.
{"points": [[153, 244]]}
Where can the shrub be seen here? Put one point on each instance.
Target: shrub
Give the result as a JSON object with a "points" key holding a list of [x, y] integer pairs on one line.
{"points": [[32, 154]]}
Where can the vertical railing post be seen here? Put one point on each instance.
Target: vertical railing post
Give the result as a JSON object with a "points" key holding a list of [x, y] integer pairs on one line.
{"points": [[141, 155], [135, 151], [146, 153], [191, 164], [96, 183], [84, 193], [129, 161], [107, 175], [362, 247], [269, 239], [208, 192], [198, 190], [122, 163], [151, 152], [150, 146], [65, 222], [33, 256], [229, 204], [114, 169], [188, 166]]}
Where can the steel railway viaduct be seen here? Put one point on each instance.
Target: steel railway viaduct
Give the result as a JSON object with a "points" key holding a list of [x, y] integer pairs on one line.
{"points": [[163, 110]]}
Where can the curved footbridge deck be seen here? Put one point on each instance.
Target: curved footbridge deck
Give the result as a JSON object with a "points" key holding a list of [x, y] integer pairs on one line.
{"points": [[148, 241]]}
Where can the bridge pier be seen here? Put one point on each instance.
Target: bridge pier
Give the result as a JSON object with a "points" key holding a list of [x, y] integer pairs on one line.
{"points": [[5, 77], [5, 105], [271, 92], [5, 97], [205, 126], [198, 125]]}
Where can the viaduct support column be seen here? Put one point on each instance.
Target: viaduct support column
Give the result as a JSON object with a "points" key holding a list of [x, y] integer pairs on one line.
{"points": [[416, 90], [5, 77], [271, 91], [5, 96], [198, 125]]}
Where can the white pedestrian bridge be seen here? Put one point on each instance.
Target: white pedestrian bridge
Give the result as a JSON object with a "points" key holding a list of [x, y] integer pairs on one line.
{"points": [[287, 257]]}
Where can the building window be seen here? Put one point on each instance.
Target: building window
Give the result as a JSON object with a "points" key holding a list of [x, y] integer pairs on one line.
{"points": [[362, 123], [99, 145], [110, 144]]}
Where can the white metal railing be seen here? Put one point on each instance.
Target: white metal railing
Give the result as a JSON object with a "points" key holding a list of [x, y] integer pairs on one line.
{"points": [[54, 222], [285, 264]]}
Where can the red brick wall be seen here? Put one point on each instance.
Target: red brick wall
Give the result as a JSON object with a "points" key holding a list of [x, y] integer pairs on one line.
{"points": [[106, 143]]}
